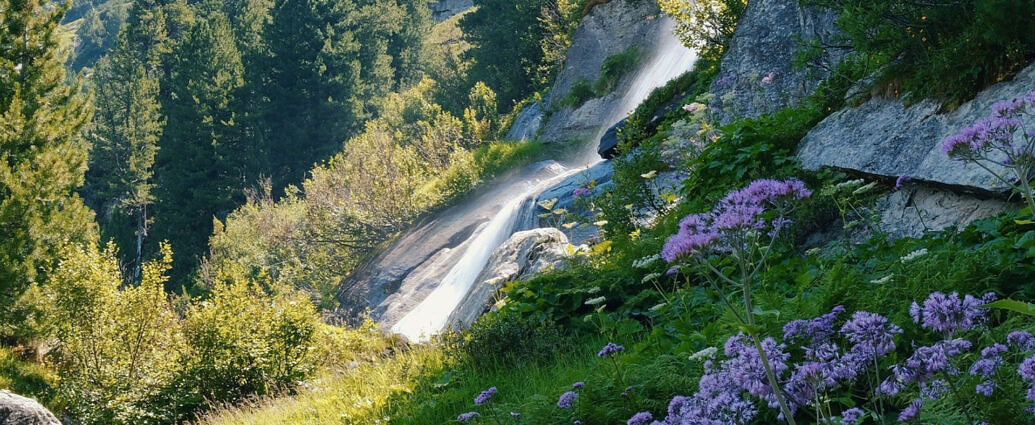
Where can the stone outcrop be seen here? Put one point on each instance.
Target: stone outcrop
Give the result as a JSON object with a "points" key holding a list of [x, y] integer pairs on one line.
{"points": [[757, 76], [445, 9], [524, 255], [18, 410], [887, 138], [526, 124]]}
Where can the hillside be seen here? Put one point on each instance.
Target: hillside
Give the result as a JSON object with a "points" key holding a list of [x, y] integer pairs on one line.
{"points": [[642, 212]]}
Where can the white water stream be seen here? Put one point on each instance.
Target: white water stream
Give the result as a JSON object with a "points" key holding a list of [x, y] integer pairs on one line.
{"points": [[668, 60]]}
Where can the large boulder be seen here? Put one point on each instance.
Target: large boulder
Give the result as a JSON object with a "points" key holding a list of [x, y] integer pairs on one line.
{"points": [[607, 148], [756, 75], [18, 410], [521, 257], [885, 137]]}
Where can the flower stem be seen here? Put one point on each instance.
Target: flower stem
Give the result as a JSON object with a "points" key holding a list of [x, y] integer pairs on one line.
{"points": [[777, 390]]}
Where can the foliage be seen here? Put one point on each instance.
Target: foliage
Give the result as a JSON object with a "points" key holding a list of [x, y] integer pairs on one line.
{"points": [[506, 340], [97, 31], [27, 378], [614, 68], [120, 349], [580, 92], [707, 24], [43, 155], [124, 133], [248, 339], [945, 50]]}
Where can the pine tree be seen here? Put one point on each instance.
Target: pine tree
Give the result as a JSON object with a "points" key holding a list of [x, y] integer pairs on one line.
{"points": [[125, 132], [42, 154], [202, 165]]}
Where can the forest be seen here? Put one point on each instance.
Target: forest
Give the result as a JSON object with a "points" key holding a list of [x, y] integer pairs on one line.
{"points": [[186, 187]]}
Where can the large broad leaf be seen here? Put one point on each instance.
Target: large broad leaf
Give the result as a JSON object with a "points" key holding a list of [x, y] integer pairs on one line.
{"points": [[1013, 305]]}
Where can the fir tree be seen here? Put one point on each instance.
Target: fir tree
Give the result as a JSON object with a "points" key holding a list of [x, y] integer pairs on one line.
{"points": [[42, 154], [126, 127], [202, 166]]}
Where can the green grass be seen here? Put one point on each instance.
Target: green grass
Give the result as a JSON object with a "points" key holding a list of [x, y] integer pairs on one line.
{"points": [[26, 378], [423, 387]]}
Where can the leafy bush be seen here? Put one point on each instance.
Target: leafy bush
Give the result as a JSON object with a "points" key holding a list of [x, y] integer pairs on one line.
{"points": [[615, 67], [506, 340], [121, 348], [705, 24], [580, 92], [945, 50]]}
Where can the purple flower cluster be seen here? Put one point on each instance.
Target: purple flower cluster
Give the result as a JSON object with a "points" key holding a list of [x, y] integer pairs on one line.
{"points": [[485, 396], [994, 139], [851, 416], [567, 399], [817, 330], [950, 314], [987, 366], [739, 211], [641, 418], [610, 349], [1021, 340], [580, 192], [464, 417]]}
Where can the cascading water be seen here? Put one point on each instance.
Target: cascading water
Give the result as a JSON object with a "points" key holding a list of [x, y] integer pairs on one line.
{"points": [[433, 270]]}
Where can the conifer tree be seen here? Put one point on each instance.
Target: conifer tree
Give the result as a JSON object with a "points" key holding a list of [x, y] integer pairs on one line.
{"points": [[42, 153], [125, 131], [202, 164]]}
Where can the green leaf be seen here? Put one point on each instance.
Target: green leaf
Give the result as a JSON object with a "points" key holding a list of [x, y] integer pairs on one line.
{"points": [[1013, 305]]}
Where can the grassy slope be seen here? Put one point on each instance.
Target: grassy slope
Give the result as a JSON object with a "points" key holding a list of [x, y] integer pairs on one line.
{"points": [[25, 378]]}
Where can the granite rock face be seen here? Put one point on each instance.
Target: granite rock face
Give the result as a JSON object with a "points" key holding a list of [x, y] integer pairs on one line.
{"points": [[887, 138], [526, 124], [917, 209], [18, 410], [609, 29], [445, 9], [757, 76], [524, 255]]}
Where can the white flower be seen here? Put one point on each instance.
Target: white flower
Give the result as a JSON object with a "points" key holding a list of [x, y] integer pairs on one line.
{"points": [[705, 354], [882, 280], [595, 301], [646, 261], [914, 255], [650, 277], [864, 189], [658, 307], [593, 290]]}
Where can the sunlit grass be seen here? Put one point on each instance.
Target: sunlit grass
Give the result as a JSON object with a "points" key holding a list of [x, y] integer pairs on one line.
{"points": [[26, 378]]}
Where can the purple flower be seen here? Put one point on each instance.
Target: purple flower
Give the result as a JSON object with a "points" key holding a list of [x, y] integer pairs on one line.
{"points": [[464, 417], [567, 399], [610, 349], [739, 211], [872, 334], [817, 330], [902, 180], [580, 192], [641, 418], [485, 396], [851, 416], [985, 388], [911, 411], [989, 362], [1021, 339], [1008, 108], [578, 385], [672, 271], [1027, 369], [949, 313]]}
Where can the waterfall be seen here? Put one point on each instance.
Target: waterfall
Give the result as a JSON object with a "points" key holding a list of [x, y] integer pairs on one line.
{"points": [[668, 60]]}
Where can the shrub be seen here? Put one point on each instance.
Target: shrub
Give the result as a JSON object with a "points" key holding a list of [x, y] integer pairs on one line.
{"points": [[580, 92], [121, 348], [247, 339], [506, 340], [946, 50], [615, 67]]}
